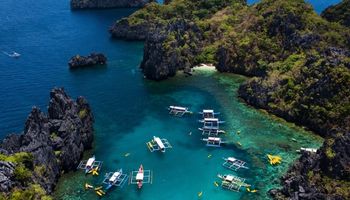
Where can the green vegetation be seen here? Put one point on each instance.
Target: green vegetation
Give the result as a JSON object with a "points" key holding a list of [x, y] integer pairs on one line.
{"points": [[33, 192], [330, 185], [17, 158], [82, 113], [338, 13], [24, 165]]}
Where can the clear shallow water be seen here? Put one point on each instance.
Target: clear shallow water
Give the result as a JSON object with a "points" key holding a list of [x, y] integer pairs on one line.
{"points": [[185, 170], [130, 110]]}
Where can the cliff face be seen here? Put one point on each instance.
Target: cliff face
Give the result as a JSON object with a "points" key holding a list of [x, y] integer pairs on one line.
{"points": [[50, 144], [338, 13], [86, 4]]}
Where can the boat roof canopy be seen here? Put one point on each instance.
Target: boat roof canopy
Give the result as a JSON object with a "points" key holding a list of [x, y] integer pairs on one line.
{"points": [[159, 142], [90, 162], [208, 111], [178, 108], [229, 178], [114, 176], [211, 119], [139, 176], [214, 138]]}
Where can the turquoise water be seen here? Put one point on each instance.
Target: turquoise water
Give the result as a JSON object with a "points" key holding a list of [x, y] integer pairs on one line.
{"points": [[129, 110]]}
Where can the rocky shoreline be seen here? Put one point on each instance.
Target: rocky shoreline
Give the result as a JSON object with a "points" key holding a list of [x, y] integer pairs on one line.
{"points": [[51, 144], [91, 4]]}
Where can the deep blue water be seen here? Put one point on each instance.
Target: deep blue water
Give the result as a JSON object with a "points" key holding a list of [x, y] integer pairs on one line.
{"points": [[319, 5], [129, 109]]}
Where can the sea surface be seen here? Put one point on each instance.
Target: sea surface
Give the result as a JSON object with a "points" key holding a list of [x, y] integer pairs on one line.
{"points": [[129, 110]]}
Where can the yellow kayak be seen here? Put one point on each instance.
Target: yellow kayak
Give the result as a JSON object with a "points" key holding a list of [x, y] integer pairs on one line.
{"points": [[200, 194], [98, 188], [127, 154], [87, 186], [274, 160], [102, 192], [216, 184], [99, 193]]}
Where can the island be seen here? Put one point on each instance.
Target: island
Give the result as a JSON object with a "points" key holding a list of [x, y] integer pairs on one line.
{"points": [[51, 144], [298, 63], [90, 60], [90, 4]]}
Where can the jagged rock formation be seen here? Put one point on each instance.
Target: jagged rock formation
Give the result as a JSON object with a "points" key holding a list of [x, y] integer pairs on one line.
{"points": [[338, 13], [90, 60], [50, 144], [87, 4]]}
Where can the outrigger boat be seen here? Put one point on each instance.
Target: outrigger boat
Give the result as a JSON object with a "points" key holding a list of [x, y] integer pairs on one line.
{"points": [[211, 123], [208, 113], [178, 111], [311, 150], [233, 183], [140, 177], [158, 144], [117, 179], [90, 165], [214, 141], [234, 164]]}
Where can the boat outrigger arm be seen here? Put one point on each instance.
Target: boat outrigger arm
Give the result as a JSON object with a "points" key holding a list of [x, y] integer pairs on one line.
{"points": [[234, 164], [178, 111], [90, 164], [117, 179], [158, 144], [211, 120], [209, 113], [211, 132]]}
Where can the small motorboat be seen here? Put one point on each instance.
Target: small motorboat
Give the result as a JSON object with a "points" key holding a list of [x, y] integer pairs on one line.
{"points": [[13, 54]]}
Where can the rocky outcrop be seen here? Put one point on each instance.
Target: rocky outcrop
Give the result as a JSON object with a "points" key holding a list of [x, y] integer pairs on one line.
{"points": [[50, 144], [310, 177], [125, 30], [338, 13], [88, 4], [6, 175], [90, 60]]}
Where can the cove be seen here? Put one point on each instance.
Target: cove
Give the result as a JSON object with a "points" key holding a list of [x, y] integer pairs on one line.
{"points": [[186, 169]]}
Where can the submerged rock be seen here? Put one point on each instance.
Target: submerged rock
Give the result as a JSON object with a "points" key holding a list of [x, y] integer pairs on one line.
{"points": [[50, 144], [90, 60], [86, 4]]}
